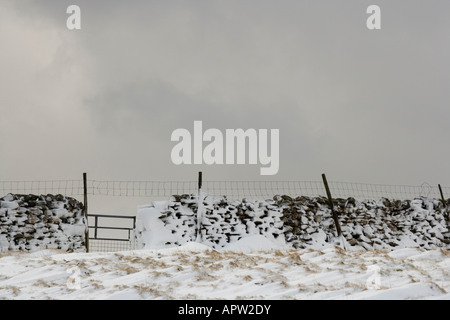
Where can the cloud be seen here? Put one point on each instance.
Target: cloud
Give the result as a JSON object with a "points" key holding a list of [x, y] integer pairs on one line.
{"points": [[44, 76], [361, 105]]}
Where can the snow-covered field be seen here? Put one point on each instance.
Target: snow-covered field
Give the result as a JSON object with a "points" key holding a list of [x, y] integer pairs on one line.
{"points": [[240, 271]]}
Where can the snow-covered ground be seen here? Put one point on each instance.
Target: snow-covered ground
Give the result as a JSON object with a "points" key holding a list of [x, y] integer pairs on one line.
{"points": [[252, 268]]}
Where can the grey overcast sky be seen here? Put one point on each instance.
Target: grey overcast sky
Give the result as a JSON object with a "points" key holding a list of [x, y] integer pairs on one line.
{"points": [[360, 105]]}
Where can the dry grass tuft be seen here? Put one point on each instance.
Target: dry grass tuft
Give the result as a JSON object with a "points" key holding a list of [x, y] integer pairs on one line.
{"points": [[96, 285], [445, 252], [130, 269], [158, 274], [278, 253], [294, 257], [46, 284], [355, 285], [15, 290], [247, 278], [152, 289]]}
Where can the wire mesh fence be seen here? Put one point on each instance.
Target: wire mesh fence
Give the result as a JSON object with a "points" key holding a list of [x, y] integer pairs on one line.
{"points": [[234, 190], [264, 189], [69, 188], [140, 188], [101, 245], [230, 189], [361, 191]]}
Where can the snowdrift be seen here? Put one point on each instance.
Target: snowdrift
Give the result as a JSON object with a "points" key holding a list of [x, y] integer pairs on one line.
{"points": [[196, 271]]}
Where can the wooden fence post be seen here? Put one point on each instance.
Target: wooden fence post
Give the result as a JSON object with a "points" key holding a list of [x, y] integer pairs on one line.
{"points": [[445, 204], [330, 200], [199, 180], [86, 235], [442, 195]]}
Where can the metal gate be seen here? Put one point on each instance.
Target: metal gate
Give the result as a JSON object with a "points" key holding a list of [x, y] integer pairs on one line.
{"points": [[109, 233]]}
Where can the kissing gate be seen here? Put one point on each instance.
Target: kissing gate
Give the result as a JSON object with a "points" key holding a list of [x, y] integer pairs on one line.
{"points": [[111, 232]]}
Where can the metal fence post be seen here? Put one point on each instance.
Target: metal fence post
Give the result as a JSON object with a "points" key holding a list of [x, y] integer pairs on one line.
{"points": [[86, 234], [95, 226], [199, 207]]}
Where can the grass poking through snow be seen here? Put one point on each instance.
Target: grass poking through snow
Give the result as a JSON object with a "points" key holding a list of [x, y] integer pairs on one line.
{"points": [[210, 274]]}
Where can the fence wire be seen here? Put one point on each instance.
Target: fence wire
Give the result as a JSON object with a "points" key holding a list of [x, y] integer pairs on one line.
{"points": [[99, 245], [360, 191], [141, 188], [231, 189], [263, 189], [71, 188]]}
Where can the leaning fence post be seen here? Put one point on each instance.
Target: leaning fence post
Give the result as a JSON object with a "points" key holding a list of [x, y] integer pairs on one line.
{"points": [[442, 195], [330, 200], [86, 234]]}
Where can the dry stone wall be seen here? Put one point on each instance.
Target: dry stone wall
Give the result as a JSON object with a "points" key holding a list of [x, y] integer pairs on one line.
{"points": [[31, 222], [300, 222]]}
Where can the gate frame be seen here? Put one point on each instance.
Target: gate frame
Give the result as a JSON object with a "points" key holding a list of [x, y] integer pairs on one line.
{"points": [[96, 227]]}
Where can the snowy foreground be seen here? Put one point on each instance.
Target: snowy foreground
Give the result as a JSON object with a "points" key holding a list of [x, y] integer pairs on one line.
{"points": [[240, 271]]}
